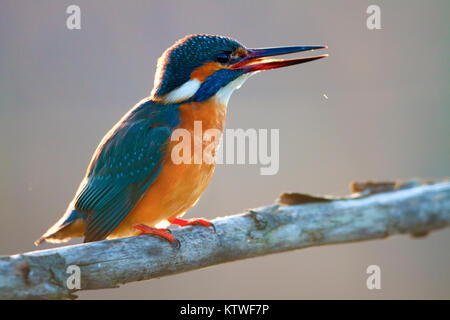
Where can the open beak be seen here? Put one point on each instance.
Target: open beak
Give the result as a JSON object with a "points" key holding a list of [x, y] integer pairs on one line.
{"points": [[257, 60]]}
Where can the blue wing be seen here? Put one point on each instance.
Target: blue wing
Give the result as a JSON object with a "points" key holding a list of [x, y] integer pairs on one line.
{"points": [[125, 164]]}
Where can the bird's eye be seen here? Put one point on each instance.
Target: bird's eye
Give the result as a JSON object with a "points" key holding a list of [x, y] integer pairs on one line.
{"points": [[223, 57]]}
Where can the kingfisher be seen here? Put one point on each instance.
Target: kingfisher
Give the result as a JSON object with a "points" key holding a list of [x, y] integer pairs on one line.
{"points": [[132, 182]]}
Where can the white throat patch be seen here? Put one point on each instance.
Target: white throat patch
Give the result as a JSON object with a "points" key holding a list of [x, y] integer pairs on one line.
{"points": [[224, 94]]}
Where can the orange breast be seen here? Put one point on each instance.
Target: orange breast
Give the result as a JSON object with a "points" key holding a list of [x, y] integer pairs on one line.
{"points": [[178, 186]]}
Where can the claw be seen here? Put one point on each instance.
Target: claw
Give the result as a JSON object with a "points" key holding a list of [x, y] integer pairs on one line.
{"points": [[193, 222], [163, 233]]}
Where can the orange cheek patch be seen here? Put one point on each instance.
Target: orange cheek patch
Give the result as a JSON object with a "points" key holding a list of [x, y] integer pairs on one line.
{"points": [[205, 71], [240, 52]]}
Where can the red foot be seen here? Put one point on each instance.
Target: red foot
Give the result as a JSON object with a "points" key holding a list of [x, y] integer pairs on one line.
{"points": [[163, 233], [192, 222]]}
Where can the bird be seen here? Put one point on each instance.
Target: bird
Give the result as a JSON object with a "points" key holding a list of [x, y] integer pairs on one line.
{"points": [[132, 183]]}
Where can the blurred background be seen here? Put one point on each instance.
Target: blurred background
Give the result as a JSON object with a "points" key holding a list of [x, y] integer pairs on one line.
{"points": [[386, 117]]}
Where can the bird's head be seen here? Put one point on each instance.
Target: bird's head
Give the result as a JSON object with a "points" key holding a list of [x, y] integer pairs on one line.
{"points": [[199, 67]]}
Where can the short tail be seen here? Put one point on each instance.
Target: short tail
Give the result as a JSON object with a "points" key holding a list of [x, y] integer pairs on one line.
{"points": [[70, 225]]}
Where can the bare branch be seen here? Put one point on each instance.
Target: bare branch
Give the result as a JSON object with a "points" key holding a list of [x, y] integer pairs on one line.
{"points": [[316, 221]]}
